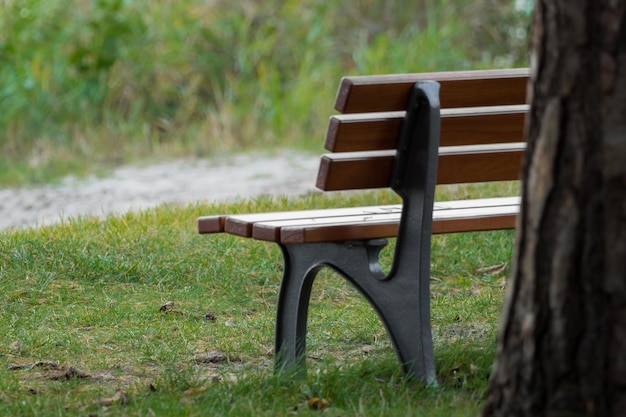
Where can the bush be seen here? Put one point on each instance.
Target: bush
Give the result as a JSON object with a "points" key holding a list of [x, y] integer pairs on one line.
{"points": [[95, 83]]}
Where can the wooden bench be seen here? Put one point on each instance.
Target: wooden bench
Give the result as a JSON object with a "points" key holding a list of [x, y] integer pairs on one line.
{"points": [[408, 132]]}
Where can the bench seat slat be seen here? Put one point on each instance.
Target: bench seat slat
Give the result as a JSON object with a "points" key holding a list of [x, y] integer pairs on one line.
{"points": [[269, 229], [376, 227], [457, 165], [241, 224], [378, 131], [362, 94]]}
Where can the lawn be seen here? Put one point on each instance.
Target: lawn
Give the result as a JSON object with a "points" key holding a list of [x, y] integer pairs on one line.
{"points": [[139, 315]]}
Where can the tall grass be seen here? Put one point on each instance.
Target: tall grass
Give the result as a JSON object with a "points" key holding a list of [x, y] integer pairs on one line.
{"points": [[96, 83]]}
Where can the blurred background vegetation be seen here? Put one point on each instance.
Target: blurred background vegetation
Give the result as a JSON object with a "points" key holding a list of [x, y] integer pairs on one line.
{"points": [[90, 84]]}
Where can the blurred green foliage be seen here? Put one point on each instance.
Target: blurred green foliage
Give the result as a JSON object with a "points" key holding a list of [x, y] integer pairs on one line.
{"points": [[87, 83]]}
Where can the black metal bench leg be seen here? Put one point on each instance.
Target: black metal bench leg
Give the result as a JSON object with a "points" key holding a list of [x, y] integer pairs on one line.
{"points": [[402, 299], [302, 263], [404, 309], [292, 311], [401, 302]]}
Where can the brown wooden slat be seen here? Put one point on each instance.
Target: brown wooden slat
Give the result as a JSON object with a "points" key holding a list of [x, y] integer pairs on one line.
{"points": [[363, 131], [273, 231], [469, 126], [269, 229], [486, 128], [355, 171], [362, 94], [340, 232], [447, 221], [457, 165], [242, 224], [462, 168], [479, 224], [211, 224], [441, 207]]}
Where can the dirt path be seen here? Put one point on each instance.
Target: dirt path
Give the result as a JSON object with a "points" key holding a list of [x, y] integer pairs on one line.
{"points": [[176, 182]]}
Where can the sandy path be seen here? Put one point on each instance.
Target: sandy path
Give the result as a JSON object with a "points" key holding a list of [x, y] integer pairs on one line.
{"points": [[176, 182]]}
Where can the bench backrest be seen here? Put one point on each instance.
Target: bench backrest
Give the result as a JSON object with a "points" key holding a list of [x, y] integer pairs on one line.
{"points": [[481, 135]]}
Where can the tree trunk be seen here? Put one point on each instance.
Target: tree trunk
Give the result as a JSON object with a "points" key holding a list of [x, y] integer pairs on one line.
{"points": [[562, 341]]}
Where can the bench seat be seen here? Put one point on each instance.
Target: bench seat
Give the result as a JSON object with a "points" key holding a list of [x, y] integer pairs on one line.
{"points": [[360, 223]]}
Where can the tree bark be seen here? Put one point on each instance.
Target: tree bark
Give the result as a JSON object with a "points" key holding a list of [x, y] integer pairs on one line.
{"points": [[562, 342]]}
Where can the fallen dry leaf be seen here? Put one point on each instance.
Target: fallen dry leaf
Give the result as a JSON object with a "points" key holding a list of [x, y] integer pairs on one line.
{"points": [[118, 398], [491, 270], [317, 403], [68, 373], [169, 306], [57, 372], [191, 392], [16, 346], [210, 357], [41, 364]]}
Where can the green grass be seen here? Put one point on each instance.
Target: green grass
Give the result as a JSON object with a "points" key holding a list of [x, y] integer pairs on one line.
{"points": [[89, 85], [82, 331]]}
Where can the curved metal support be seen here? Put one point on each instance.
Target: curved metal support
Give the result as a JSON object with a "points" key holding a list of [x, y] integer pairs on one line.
{"points": [[396, 301], [302, 263], [401, 299]]}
